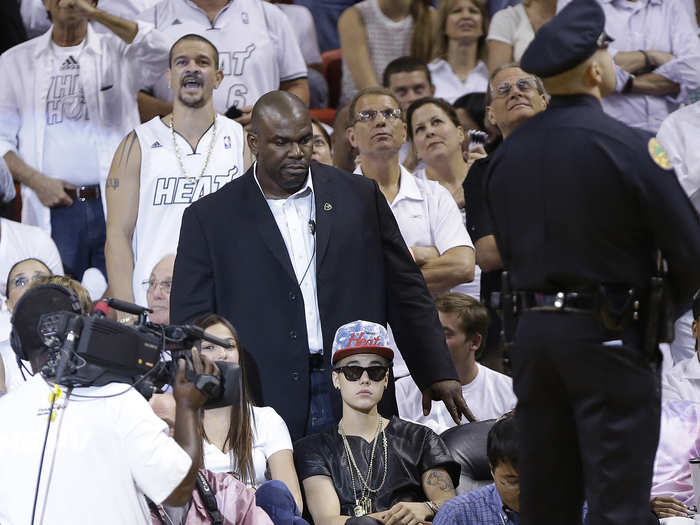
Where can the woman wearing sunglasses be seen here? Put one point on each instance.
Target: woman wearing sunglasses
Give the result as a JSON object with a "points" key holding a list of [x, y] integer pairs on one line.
{"points": [[370, 469]]}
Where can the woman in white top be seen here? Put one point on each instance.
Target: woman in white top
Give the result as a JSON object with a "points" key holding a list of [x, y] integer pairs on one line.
{"points": [[459, 40], [513, 28], [375, 32], [251, 442], [437, 136]]}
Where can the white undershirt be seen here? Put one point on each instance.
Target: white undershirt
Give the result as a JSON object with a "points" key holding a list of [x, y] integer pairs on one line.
{"points": [[293, 216]]}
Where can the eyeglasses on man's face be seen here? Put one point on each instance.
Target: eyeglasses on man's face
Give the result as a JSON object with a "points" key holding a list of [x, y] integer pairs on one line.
{"points": [[164, 286], [504, 89], [369, 115]]}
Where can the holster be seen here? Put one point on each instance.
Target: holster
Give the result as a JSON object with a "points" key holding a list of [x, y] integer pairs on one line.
{"points": [[659, 317]]}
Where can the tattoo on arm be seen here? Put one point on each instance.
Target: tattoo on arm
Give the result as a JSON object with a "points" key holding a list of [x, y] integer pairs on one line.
{"points": [[112, 183], [126, 147], [441, 480]]}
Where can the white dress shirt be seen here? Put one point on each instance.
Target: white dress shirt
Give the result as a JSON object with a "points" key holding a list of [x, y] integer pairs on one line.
{"points": [[450, 87], [111, 73], [680, 138], [296, 220], [659, 25], [427, 215], [682, 382]]}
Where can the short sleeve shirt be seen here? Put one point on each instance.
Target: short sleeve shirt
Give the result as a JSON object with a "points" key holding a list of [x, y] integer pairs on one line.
{"points": [[113, 450], [512, 26], [412, 450], [270, 435]]}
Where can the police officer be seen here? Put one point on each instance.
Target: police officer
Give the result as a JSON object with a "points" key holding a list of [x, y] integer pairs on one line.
{"points": [[581, 203]]}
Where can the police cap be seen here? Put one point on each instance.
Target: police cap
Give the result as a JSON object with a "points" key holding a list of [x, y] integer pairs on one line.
{"points": [[571, 37]]}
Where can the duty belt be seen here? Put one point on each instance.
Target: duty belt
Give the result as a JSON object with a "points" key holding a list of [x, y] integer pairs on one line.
{"points": [[557, 301]]}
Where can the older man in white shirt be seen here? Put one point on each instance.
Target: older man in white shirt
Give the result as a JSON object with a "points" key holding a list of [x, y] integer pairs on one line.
{"points": [[70, 99], [427, 214], [679, 136], [682, 382]]}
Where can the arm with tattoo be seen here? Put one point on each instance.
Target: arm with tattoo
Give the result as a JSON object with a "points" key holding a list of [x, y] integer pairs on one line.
{"points": [[438, 486], [123, 184]]}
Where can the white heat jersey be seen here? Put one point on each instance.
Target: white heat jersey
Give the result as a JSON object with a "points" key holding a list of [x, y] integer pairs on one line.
{"points": [[165, 191], [257, 47]]}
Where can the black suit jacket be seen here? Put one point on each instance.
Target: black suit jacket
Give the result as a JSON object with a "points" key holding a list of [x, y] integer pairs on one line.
{"points": [[232, 260]]}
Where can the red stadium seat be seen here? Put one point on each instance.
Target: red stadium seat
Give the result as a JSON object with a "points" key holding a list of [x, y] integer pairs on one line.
{"points": [[324, 115]]}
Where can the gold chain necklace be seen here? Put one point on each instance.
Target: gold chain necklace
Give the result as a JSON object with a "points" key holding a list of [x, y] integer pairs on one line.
{"points": [[179, 155], [363, 505]]}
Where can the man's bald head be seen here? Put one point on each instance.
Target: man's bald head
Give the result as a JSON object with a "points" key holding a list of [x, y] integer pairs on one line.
{"points": [[281, 139], [276, 106]]}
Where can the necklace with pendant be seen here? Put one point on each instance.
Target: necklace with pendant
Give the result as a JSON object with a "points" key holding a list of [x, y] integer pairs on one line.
{"points": [[179, 155], [363, 504]]}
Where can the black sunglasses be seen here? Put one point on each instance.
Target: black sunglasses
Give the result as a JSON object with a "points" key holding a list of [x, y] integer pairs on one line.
{"points": [[354, 372]]}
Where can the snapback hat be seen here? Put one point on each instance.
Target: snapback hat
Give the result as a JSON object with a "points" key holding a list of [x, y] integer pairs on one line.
{"points": [[361, 337]]}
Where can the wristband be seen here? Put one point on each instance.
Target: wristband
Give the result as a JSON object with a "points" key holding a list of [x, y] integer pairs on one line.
{"points": [[629, 84]]}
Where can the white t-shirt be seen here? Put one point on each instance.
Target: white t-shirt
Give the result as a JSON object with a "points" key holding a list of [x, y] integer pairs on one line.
{"points": [[450, 87], [302, 21], [682, 382], [102, 456], [165, 192], [257, 46], [270, 435], [489, 396], [70, 151], [21, 241], [512, 26]]}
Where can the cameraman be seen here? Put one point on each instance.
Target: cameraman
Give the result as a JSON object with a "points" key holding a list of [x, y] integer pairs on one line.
{"points": [[105, 449]]}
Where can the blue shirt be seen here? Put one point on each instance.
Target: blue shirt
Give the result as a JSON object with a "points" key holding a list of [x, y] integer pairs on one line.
{"points": [[479, 507]]}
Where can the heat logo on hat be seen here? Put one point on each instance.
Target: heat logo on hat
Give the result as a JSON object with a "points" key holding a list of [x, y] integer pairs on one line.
{"points": [[227, 142], [358, 339]]}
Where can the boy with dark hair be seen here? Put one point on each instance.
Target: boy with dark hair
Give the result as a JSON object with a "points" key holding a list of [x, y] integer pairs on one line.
{"points": [[488, 393], [408, 78], [497, 503]]}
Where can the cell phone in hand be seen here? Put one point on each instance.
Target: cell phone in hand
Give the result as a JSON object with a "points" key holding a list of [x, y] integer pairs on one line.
{"points": [[476, 138]]}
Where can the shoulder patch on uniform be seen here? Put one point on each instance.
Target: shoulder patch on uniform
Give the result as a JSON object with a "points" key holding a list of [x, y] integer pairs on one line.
{"points": [[658, 154]]}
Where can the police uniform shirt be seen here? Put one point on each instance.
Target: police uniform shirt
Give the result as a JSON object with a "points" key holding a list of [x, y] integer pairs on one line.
{"points": [[565, 220]]}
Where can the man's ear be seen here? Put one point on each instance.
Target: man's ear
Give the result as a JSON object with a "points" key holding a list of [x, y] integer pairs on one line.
{"points": [[336, 379], [252, 139], [594, 74], [477, 339], [219, 78], [489, 115], [350, 135], [694, 329]]}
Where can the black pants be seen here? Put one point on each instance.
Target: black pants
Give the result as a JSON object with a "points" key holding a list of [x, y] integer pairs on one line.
{"points": [[588, 417]]}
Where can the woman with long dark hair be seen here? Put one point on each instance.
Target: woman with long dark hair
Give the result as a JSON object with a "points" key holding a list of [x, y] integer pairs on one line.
{"points": [[251, 442]]}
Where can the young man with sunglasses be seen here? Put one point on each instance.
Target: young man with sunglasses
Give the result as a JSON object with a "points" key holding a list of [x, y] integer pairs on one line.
{"points": [[369, 469]]}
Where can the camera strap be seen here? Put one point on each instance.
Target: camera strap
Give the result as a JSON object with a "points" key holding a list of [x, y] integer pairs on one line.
{"points": [[208, 498]]}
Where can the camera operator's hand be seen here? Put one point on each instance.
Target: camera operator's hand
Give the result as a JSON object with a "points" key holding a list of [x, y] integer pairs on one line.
{"points": [[184, 391]]}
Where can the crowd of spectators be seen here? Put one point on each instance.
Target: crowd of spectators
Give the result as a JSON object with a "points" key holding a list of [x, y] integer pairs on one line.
{"points": [[116, 116]]}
